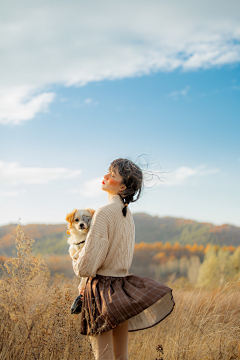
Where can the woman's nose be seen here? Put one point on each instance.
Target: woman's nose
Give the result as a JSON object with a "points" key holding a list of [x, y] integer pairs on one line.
{"points": [[105, 177]]}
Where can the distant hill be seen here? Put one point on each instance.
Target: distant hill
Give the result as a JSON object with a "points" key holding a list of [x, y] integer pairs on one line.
{"points": [[152, 228], [49, 239], [52, 239]]}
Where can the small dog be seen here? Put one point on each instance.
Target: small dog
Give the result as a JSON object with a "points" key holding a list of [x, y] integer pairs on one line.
{"points": [[79, 222]]}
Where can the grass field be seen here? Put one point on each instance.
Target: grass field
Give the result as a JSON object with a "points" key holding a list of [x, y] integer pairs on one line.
{"points": [[36, 322]]}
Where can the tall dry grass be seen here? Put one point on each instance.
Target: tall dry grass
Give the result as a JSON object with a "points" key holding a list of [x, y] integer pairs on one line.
{"points": [[205, 324], [35, 313], [36, 322]]}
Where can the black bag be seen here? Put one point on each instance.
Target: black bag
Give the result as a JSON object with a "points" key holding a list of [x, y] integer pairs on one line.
{"points": [[77, 305]]}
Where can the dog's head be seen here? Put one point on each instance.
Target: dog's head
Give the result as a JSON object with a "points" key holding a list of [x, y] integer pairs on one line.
{"points": [[80, 219]]}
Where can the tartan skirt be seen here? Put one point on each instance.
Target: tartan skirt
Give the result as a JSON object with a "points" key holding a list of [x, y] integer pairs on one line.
{"points": [[109, 301]]}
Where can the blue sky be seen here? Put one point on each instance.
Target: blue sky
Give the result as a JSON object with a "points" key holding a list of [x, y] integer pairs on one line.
{"points": [[162, 80]]}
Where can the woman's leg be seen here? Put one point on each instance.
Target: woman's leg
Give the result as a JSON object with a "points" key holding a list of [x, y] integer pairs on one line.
{"points": [[120, 341], [102, 346]]}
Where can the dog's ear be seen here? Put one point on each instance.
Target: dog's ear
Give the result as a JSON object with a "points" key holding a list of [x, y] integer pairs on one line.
{"points": [[70, 217], [68, 230], [91, 211]]}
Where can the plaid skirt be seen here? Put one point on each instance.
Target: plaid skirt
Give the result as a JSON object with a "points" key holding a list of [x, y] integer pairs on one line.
{"points": [[109, 301]]}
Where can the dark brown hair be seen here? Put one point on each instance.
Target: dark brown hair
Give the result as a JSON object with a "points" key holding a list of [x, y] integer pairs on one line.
{"points": [[132, 177]]}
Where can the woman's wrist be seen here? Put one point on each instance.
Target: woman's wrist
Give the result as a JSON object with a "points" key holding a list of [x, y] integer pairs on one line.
{"points": [[81, 288]]}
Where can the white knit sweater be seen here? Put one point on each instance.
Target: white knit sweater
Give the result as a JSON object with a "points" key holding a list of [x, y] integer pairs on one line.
{"points": [[109, 245]]}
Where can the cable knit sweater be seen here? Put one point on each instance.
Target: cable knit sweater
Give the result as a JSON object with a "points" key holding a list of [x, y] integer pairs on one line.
{"points": [[109, 245]]}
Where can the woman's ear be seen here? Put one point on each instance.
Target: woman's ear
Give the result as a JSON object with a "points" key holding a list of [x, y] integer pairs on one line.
{"points": [[70, 216], [123, 187], [91, 211]]}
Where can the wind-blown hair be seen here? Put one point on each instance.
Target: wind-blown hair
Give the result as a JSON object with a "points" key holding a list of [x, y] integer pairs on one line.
{"points": [[132, 177]]}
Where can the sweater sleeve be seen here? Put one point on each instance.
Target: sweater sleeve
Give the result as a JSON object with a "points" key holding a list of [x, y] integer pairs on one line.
{"points": [[95, 250]]}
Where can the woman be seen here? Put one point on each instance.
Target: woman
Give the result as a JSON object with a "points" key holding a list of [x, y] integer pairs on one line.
{"points": [[115, 303]]}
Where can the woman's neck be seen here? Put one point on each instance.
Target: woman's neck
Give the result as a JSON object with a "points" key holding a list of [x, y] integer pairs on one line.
{"points": [[110, 196]]}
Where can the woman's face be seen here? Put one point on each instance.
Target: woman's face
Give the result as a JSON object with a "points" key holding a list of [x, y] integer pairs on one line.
{"points": [[112, 182]]}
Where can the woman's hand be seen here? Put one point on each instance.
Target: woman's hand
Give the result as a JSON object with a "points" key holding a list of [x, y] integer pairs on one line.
{"points": [[81, 291]]}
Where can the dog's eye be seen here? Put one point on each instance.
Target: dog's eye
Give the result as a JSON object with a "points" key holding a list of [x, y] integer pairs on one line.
{"points": [[77, 220]]}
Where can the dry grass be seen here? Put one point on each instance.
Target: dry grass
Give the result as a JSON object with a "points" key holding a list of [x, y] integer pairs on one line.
{"points": [[36, 322], [205, 324]]}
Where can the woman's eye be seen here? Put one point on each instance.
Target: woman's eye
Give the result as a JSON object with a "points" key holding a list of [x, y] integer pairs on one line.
{"points": [[77, 220]]}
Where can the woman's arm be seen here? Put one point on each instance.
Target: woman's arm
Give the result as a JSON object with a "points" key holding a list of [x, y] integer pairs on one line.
{"points": [[95, 249], [82, 285]]}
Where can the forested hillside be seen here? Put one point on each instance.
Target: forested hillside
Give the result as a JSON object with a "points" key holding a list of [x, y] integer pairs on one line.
{"points": [[152, 228], [52, 239]]}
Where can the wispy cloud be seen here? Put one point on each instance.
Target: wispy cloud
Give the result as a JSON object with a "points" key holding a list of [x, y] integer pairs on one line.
{"points": [[136, 37], [88, 101], [12, 173], [179, 93], [13, 193], [91, 188], [21, 104], [235, 87], [179, 176]]}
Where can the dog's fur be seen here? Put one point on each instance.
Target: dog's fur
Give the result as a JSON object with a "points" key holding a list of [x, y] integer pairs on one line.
{"points": [[79, 222]]}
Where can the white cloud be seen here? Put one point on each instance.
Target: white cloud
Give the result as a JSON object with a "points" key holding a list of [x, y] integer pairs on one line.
{"points": [[176, 94], [12, 174], [88, 101], [46, 43], [12, 193], [91, 188], [178, 176], [20, 104]]}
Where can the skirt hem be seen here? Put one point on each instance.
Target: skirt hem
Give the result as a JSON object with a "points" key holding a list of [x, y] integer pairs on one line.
{"points": [[148, 327]]}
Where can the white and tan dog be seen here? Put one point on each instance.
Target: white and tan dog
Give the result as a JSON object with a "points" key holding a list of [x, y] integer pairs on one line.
{"points": [[79, 222]]}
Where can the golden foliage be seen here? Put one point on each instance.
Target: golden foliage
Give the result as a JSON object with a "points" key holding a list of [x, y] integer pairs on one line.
{"points": [[221, 264]]}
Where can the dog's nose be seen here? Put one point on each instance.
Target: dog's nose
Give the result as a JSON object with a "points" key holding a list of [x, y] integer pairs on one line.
{"points": [[81, 225]]}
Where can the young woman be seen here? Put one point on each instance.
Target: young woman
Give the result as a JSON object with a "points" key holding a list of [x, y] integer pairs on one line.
{"points": [[115, 303]]}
